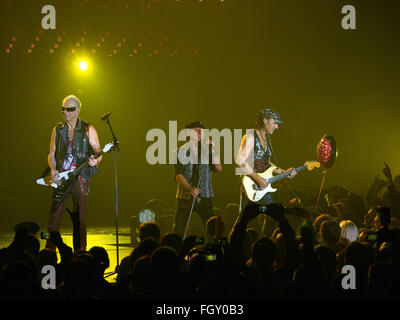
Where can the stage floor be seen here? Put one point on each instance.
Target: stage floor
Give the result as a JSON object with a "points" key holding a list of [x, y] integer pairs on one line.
{"points": [[100, 236]]}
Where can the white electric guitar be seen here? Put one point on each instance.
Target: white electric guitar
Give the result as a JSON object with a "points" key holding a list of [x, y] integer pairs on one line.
{"points": [[67, 178], [254, 193]]}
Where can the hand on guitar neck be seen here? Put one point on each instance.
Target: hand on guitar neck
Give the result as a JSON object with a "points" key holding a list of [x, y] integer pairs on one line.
{"points": [[263, 183]]}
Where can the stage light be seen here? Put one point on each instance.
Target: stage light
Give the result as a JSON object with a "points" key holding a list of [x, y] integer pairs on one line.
{"points": [[153, 212], [147, 215], [83, 65]]}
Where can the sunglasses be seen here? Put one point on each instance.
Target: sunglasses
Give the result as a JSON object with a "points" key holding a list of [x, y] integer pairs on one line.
{"points": [[69, 109]]}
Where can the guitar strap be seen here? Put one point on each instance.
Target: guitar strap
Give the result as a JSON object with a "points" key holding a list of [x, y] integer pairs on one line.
{"points": [[272, 150]]}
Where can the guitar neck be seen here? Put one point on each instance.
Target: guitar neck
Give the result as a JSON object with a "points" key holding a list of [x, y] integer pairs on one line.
{"points": [[285, 174], [78, 170]]}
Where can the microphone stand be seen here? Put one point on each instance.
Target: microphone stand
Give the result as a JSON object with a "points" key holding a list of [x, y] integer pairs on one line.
{"points": [[106, 118], [194, 199], [191, 210]]}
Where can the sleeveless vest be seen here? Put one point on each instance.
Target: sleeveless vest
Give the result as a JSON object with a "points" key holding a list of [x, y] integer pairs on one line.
{"points": [[81, 148], [261, 156]]}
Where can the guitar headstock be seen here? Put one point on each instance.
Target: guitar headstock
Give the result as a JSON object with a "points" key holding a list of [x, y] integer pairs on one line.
{"points": [[108, 147], [312, 164]]}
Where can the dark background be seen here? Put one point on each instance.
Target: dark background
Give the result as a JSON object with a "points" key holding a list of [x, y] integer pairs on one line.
{"points": [[219, 62]]}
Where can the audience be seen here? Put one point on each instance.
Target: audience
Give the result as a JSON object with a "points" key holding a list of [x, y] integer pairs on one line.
{"points": [[348, 231], [330, 235], [301, 259]]}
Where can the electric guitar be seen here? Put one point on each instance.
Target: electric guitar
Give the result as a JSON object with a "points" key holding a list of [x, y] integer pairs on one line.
{"points": [[67, 179], [255, 193]]}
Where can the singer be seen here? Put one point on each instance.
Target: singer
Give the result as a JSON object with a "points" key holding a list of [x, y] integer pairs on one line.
{"points": [[194, 179], [73, 142]]}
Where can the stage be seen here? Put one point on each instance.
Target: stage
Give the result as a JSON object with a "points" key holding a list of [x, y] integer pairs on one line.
{"points": [[96, 236]]}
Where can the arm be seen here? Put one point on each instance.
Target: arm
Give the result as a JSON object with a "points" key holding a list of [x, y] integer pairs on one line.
{"points": [[394, 194], [239, 232], [388, 174], [215, 160], [391, 187], [293, 257], [51, 159], [372, 193], [187, 186], [216, 166], [66, 252], [280, 171], [188, 244], [241, 160], [95, 143]]}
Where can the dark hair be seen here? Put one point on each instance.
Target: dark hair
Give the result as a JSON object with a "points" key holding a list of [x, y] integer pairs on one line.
{"points": [[264, 251], [149, 229], [384, 215], [258, 121], [173, 240]]}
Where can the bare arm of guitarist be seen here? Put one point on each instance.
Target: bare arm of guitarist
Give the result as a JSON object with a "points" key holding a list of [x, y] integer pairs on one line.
{"points": [[241, 160], [95, 143], [51, 157]]}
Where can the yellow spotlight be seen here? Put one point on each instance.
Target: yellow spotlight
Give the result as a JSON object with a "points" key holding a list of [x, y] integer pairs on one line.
{"points": [[83, 65]]}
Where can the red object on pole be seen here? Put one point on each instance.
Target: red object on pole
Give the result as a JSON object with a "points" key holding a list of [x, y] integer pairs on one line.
{"points": [[327, 151]]}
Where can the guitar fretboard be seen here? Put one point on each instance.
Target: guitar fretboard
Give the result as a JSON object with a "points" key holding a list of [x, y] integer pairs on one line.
{"points": [[285, 174], [77, 171]]}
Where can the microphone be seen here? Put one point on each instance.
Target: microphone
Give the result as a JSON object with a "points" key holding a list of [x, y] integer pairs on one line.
{"points": [[106, 116]]}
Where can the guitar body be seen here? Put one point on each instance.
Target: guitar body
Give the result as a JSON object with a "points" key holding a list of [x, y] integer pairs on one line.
{"points": [[48, 182], [253, 192], [64, 187], [65, 182], [67, 179]]}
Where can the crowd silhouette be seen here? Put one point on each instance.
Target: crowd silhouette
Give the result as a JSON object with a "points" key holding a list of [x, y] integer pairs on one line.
{"points": [[296, 261]]}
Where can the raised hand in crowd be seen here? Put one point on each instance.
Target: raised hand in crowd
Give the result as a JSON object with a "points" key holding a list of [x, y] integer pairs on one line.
{"points": [[388, 173]]}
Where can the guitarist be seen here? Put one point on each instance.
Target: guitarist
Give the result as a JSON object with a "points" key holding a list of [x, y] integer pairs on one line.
{"points": [[257, 143], [73, 142]]}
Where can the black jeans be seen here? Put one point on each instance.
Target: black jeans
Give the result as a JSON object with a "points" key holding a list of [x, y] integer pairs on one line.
{"points": [[266, 221], [203, 207]]}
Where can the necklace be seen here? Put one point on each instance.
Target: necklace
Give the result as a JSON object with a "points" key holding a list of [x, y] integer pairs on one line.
{"points": [[265, 144]]}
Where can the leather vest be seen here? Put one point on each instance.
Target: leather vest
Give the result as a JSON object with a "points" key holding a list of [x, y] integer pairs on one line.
{"points": [[81, 148], [192, 173]]}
